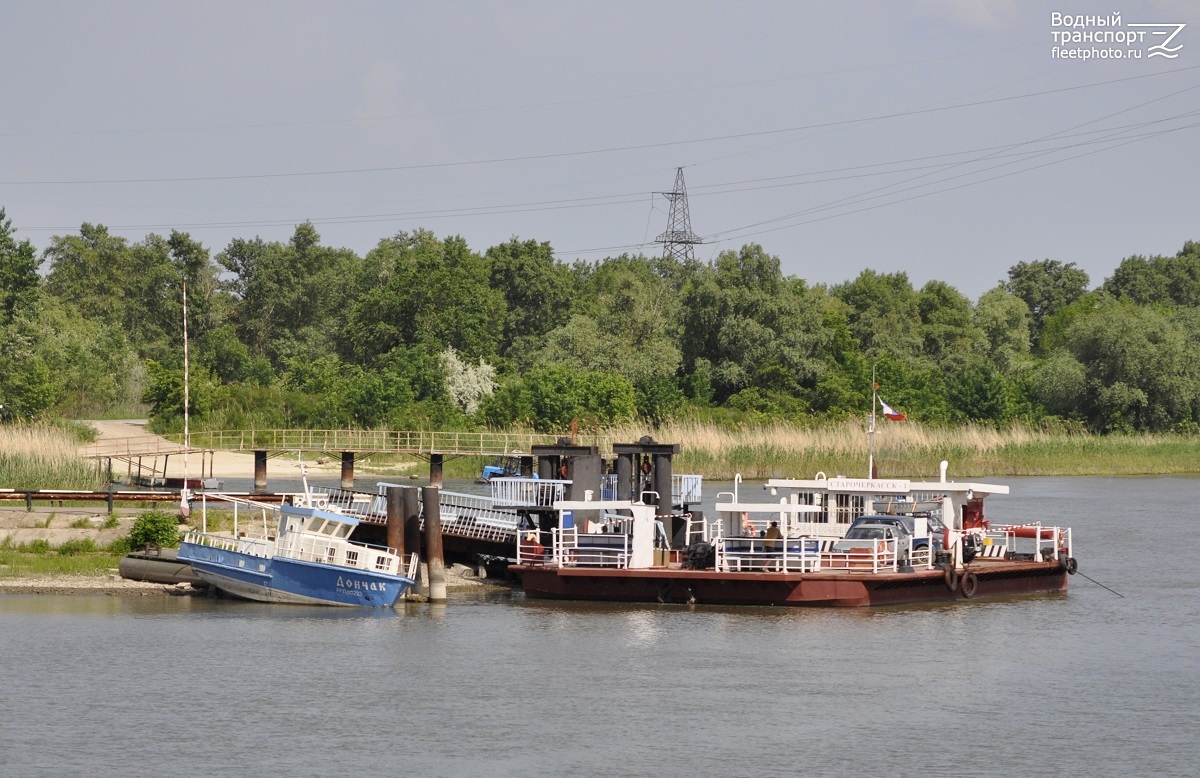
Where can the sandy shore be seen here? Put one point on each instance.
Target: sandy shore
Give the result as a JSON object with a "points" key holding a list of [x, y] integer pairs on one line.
{"points": [[132, 433]]}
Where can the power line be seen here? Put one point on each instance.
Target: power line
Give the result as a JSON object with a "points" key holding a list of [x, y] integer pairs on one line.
{"points": [[589, 152], [503, 108]]}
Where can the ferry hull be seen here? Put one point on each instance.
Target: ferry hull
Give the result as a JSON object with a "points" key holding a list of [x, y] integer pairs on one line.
{"points": [[831, 589], [292, 581]]}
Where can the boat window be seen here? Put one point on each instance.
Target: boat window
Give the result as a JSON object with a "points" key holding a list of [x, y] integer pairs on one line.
{"points": [[315, 524], [331, 527], [352, 558], [344, 531]]}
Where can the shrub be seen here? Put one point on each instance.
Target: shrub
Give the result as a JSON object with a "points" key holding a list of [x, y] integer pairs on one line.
{"points": [[76, 547], [111, 522], [120, 546], [154, 528], [38, 546]]}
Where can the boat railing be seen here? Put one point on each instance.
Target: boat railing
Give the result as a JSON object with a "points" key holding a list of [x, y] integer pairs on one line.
{"points": [[241, 545], [1041, 542], [879, 557], [686, 489], [573, 548], [542, 492], [361, 505], [697, 530], [793, 555], [331, 551]]}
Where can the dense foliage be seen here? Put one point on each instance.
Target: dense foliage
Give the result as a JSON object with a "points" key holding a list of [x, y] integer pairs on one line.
{"points": [[426, 332]]}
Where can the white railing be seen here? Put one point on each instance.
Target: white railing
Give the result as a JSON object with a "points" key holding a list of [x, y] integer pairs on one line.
{"points": [[470, 516], [573, 548], [250, 546], [793, 555], [528, 491], [1047, 542], [364, 506], [685, 489], [477, 525]]}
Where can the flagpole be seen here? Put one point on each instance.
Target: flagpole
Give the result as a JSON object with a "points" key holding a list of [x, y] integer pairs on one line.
{"points": [[871, 427]]}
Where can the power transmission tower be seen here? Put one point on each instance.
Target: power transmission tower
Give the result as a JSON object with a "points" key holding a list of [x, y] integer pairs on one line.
{"points": [[678, 239]]}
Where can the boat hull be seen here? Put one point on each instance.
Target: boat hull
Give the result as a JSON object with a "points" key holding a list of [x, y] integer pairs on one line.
{"points": [[827, 589], [292, 581]]}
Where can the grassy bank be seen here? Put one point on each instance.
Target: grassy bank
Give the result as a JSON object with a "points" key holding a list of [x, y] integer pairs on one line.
{"points": [[44, 457], [37, 561], [909, 449]]}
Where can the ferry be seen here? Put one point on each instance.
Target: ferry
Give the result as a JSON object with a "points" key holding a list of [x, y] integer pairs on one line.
{"points": [[310, 560], [795, 549]]}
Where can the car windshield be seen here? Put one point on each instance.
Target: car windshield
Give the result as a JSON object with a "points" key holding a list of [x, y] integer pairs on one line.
{"points": [[864, 533]]}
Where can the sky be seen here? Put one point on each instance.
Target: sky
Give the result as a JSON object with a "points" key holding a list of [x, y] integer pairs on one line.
{"points": [[940, 138]]}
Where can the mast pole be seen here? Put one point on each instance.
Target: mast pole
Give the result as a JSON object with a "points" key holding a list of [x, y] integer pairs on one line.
{"points": [[187, 435]]}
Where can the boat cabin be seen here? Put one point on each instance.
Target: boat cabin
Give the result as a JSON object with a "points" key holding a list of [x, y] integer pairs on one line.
{"points": [[315, 521], [599, 533]]}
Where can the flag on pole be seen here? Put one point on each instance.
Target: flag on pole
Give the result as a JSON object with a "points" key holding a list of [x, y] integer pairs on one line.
{"points": [[891, 412]]}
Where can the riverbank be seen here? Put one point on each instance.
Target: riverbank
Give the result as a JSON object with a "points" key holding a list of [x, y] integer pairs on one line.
{"points": [[112, 585]]}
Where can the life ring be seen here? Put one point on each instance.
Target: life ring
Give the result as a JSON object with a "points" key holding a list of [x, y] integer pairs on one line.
{"points": [[1072, 565], [970, 584], [950, 577]]}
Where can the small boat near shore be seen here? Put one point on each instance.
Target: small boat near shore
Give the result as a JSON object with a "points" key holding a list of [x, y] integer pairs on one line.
{"points": [[309, 561], [790, 551]]}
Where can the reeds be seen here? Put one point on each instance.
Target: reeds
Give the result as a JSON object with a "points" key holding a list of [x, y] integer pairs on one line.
{"points": [[37, 456], [909, 449]]}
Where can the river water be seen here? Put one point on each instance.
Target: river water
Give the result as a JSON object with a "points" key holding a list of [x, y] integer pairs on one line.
{"points": [[1088, 683]]}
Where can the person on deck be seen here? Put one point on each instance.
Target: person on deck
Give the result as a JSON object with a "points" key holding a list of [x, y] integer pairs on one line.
{"points": [[774, 536]]}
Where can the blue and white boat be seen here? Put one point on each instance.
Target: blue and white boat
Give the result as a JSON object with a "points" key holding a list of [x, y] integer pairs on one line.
{"points": [[309, 561]]}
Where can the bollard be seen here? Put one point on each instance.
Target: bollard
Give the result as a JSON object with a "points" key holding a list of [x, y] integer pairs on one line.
{"points": [[435, 469], [347, 469], [433, 544], [411, 511], [395, 519]]}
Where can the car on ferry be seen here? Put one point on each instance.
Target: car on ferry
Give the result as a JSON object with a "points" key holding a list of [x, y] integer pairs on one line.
{"points": [[874, 537], [907, 525]]}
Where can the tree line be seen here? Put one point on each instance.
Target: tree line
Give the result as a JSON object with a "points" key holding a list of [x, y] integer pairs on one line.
{"points": [[423, 331]]}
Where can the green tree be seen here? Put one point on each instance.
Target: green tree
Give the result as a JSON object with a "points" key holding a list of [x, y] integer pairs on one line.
{"points": [[1159, 280], [289, 299], [1046, 286], [882, 313], [949, 335], [1141, 374], [624, 322], [424, 292], [1003, 318], [751, 324], [19, 279], [538, 291]]}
